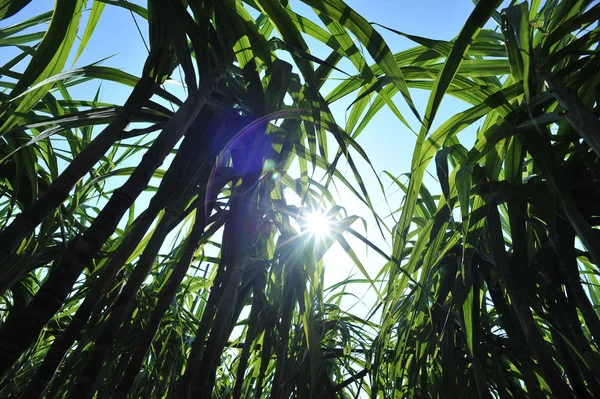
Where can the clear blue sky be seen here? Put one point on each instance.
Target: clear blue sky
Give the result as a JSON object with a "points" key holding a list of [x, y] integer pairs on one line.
{"points": [[386, 140]]}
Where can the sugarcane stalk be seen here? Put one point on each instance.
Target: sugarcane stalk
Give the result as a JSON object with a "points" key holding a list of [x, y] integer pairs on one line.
{"points": [[171, 181], [517, 289], [22, 328], [192, 141], [253, 329], [216, 344], [264, 363], [581, 118], [64, 341], [87, 379], [197, 169], [353, 378], [165, 298], [277, 390], [236, 239], [25, 223], [564, 247]]}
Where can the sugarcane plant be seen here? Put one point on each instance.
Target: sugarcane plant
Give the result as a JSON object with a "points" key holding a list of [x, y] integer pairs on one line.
{"points": [[204, 280]]}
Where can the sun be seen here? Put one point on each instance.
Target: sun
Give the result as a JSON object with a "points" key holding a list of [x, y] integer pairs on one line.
{"points": [[318, 224]]}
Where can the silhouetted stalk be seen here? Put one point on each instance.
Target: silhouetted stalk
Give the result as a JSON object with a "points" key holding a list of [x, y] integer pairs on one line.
{"points": [[197, 168], [219, 333], [217, 342], [358, 376], [25, 223], [570, 327], [517, 288], [165, 298], [68, 363], [64, 341], [538, 347], [477, 358], [278, 388], [448, 355], [514, 333], [253, 329], [117, 259], [237, 236], [86, 382], [216, 345], [565, 356], [22, 328], [564, 247], [507, 316], [582, 119], [264, 363], [186, 157], [184, 384]]}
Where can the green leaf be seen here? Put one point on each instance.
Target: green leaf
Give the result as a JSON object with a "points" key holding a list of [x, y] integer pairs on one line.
{"points": [[93, 19], [337, 10], [517, 34], [9, 8], [474, 23], [49, 59]]}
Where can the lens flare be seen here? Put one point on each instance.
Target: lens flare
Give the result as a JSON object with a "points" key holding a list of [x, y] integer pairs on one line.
{"points": [[318, 224]]}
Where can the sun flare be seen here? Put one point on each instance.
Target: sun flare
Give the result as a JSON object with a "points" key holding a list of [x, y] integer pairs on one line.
{"points": [[318, 224]]}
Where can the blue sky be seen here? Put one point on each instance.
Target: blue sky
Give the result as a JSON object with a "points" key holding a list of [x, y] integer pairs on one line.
{"points": [[388, 143]]}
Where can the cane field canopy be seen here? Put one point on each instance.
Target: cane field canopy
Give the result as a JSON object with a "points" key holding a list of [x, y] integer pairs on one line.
{"points": [[326, 199]]}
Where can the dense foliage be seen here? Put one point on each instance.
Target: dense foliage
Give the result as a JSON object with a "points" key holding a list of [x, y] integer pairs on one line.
{"points": [[202, 279]]}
